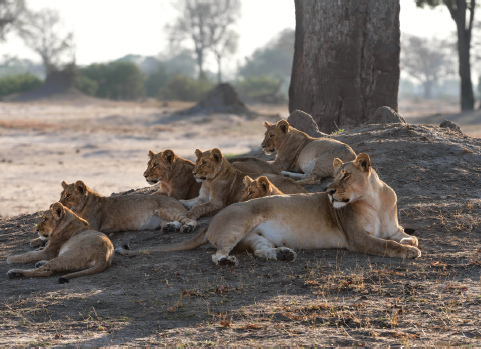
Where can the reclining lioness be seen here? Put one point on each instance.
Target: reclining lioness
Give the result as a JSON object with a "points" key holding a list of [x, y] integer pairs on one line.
{"points": [[358, 212], [223, 184], [73, 245], [296, 151], [122, 213], [262, 187], [175, 173]]}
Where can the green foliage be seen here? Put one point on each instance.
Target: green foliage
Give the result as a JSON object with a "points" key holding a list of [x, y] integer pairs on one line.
{"points": [[184, 88], [18, 83], [155, 81], [86, 85], [256, 86], [116, 80]]}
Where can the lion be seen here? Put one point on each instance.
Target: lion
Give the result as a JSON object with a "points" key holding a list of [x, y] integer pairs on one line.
{"points": [[73, 245], [358, 212], [297, 151], [261, 187], [122, 213], [175, 173], [223, 184]]}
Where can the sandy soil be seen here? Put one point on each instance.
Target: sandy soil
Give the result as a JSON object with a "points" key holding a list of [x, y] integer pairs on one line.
{"points": [[326, 297]]}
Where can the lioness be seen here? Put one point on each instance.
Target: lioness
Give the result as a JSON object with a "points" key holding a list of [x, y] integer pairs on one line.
{"points": [[223, 184], [175, 173], [261, 187], [122, 213], [299, 152], [358, 212], [73, 245]]}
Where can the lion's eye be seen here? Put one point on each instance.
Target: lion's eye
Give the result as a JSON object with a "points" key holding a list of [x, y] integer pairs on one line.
{"points": [[250, 193], [270, 137], [67, 196], [346, 176], [203, 164], [154, 167]]}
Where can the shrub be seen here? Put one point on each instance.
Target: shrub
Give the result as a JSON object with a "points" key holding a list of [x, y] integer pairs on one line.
{"points": [[155, 81], [86, 85], [184, 88], [19, 83], [256, 86]]}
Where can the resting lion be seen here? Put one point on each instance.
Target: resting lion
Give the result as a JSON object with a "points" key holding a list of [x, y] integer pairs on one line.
{"points": [[261, 187], [122, 213], [223, 184], [299, 152], [175, 173], [73, 245], [358, 212]]}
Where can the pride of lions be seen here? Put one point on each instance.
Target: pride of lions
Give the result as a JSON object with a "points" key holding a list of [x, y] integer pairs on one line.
{"points": [[259, 206]]}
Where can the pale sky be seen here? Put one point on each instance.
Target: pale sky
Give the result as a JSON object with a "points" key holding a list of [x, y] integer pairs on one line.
{"points": [[109, 29]]}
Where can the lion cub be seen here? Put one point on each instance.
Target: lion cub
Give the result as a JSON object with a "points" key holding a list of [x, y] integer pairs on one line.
{"points": [[122, 213], [73, 245], [175, 173], [297, 151], [223, 184], [261, 187]]}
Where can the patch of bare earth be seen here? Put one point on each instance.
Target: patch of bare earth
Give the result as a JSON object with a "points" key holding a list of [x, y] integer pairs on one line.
{"points": [[325, 297]]}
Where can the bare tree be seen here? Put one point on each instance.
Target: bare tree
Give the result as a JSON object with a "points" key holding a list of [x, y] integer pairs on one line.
{"points": [[10, 12], [427, 60], [225, 45], [458, 10], [43, 32], [204, 23], [346, 60]]}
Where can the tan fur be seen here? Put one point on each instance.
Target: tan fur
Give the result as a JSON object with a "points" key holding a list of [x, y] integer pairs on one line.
{"points": [[310, 158], [174, 174], [222, 184], [358, 212], [129, 212], [262, 187], [73, 245], [253, 165]]}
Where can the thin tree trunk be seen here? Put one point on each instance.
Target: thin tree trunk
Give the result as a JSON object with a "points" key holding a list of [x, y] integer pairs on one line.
{"points": [[428, 88], [346, 60], [219, 69]]}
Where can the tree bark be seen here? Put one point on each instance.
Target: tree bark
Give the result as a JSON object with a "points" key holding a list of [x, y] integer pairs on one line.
{"points": [[346, 60]]}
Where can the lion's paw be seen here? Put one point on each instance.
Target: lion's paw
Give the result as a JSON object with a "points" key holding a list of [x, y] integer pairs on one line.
{"points": [[412, 241], [171, 226], [225, 260], [187, 228], [13, 274], [39, 264], [286, 254], [411, 252], [37, 243]]}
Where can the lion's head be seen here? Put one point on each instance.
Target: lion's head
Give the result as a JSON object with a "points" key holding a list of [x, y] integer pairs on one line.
{"points": [[208, 165], [53, 218], [257, 188], [351, 180], [275, 136], [159, 166], [74, 196]]}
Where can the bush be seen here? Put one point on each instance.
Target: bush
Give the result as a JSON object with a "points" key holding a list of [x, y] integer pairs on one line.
{"points": [[155, 81], [19, 83], [87, 86], [116, 80], [257, 86], [184, 88]]}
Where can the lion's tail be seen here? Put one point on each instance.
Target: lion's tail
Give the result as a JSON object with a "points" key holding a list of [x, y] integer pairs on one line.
{"points": [[190, 244]]}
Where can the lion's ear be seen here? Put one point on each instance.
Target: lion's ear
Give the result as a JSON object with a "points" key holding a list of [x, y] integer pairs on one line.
{"points": [[247, 180], [363, 162], [198, 153], [263, 183], [168, 155], [283, 126], [58, 210], [267, 124], [80, 187], [151, 154], [216, 155], [337, 163], [64, 184]]}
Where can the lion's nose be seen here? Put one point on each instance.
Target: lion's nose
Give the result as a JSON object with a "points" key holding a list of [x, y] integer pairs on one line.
{"points": [[145, 175], [37, 230], [194, 173], [331, 191]]}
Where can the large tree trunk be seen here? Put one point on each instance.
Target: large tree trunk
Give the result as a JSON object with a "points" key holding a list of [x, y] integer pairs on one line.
{"points": [[464, 45], [346, 60]]}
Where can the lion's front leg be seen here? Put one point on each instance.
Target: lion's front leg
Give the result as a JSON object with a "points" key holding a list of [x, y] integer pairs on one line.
{"points": [[204, 209], [403, 238], [189, 204], [367, 243], [38, 242], [30, 257]]}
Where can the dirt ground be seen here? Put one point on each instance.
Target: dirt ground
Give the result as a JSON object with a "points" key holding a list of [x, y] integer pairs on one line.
{"points": [[326, 297]]}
